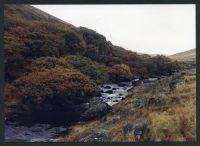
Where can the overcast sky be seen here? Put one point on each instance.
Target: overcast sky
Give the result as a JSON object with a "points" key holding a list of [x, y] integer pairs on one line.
{"points": [[153, 29]]}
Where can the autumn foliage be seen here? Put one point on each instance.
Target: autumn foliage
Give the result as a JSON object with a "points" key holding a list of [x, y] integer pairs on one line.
{"points": [[61, 87], [121, 72], [11, 92]]}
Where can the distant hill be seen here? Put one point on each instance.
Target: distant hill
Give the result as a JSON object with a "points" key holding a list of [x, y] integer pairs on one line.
{"points": [[189, 55]]}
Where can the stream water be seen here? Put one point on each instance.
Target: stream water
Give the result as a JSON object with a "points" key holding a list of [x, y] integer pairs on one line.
{"points": [[114, 93], [14, 132]]}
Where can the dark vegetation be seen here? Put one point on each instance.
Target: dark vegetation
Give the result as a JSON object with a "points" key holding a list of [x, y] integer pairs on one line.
{"points": [[50, 61]]}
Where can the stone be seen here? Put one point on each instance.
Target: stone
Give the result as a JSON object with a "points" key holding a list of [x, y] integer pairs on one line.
{"points": [[100, 135], [96, 109], [138, 133], [174, 83], [127, 128], [113, 120], [136, 82], [107, 87], [154, 101], [136, 128], [109, 91]]}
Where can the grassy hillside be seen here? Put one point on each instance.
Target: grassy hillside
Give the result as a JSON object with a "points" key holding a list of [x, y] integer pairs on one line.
{"points": [[189, 55], [30, 34], [164, 111]]}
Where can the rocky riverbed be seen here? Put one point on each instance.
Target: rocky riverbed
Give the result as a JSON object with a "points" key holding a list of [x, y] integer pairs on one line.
{"points": [[35, 133]]}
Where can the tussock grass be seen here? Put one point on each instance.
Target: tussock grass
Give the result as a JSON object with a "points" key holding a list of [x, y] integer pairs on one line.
{"points": [[178, 122], [174, 120]]}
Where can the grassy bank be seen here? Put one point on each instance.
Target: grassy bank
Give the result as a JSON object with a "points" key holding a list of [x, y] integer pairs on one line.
{"points": [[173, 118]]}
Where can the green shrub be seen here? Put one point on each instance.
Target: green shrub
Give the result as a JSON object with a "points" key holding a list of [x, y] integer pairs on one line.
{"points": [[40, 46], [97, 47], [73, 43], [162, 65], [97, 72], [43, 63]]}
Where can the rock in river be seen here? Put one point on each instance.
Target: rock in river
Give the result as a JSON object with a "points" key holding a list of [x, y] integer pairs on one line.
{"points": [[107, 87], [109, 91]]}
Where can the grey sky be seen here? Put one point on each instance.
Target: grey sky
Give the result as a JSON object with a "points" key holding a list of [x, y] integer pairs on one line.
{"points": [[153, 29]]}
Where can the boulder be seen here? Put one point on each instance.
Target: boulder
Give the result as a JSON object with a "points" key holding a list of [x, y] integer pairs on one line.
{"points": [[141, 102], [95, 109]]}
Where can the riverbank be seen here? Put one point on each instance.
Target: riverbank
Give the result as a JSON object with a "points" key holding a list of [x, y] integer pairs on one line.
{"points": [[157, 110], [40, 130], [153, 109]]}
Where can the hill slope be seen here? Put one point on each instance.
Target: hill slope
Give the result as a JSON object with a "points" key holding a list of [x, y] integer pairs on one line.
{"points": [[53, 71], [31, 33], [189, 55]]}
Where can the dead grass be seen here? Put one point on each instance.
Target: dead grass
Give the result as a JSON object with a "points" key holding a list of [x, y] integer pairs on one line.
{"points": [[173, 121], [79, 131], [178, 123]]}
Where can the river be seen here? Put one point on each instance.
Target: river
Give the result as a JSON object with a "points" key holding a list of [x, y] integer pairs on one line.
{"points": [[18, 132]]}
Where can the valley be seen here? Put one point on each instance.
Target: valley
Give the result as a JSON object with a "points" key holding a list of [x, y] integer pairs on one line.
{"points": [[70, 84]]}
